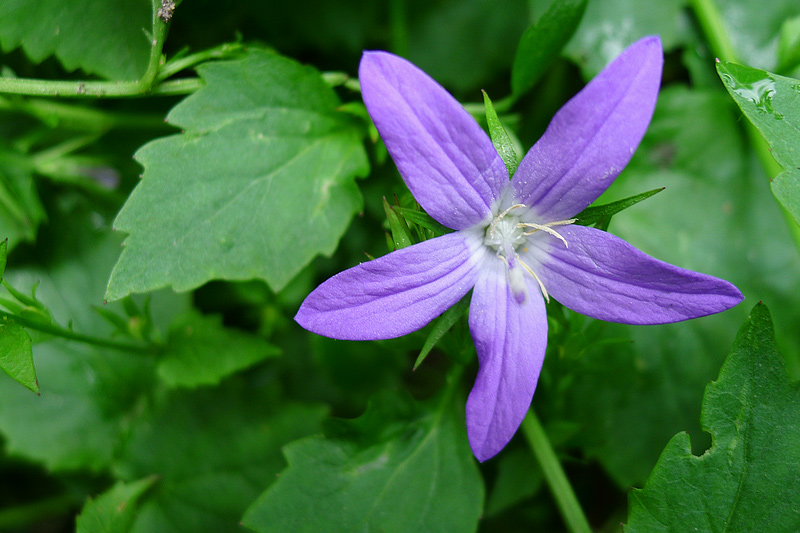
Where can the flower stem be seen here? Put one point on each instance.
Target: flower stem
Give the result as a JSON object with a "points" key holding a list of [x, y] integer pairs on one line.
{"points": [[58, 331], [562, 491], [710, 20]]}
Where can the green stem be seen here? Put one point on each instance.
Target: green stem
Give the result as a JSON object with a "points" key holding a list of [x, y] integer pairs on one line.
{"points": [[710, 20], [93, 89], [223, 51], [58, 331], [559, 485]]}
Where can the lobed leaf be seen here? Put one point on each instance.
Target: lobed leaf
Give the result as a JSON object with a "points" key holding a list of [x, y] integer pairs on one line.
{"points": [[261, 181], [100, 37], [751, 474]]}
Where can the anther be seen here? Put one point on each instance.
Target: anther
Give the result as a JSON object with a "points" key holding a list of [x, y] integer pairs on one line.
{"points": [[547, 228], [532, 273], [499, 217]]}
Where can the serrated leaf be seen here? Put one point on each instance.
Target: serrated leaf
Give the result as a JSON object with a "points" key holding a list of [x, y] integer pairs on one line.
{"points": [[772, 103], [115, 510], [500, 139], [751, 474], [542, 42], [101, 37], [261, 182], [214, 451], [16, 358], [201, 351], [399, 467]]}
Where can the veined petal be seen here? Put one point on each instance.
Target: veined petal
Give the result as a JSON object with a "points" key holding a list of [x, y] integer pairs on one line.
{"points": [[592, 138], [445, 158], [395, 294], [604, 277], [510, 338]]}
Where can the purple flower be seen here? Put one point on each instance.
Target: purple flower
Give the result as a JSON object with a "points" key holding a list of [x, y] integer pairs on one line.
{"points": [[515, 243]]}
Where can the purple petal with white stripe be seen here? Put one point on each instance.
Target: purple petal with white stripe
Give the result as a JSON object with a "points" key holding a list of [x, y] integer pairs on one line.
{"points": [[602, 276], [445, 158], [510, 339], [395, 294], [592, 138]]}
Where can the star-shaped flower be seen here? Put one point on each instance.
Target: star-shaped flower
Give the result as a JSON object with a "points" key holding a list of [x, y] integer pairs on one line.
{"points": [[515, 243]]}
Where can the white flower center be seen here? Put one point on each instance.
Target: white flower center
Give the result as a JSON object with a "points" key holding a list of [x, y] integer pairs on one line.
{"points": [[506, 234]]}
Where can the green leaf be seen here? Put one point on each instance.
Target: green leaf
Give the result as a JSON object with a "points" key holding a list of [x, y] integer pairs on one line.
{"points": [[105, 38], [753, 28], [500, 139], [259, 184], [423, 219], [201, 351], [542, 42], [214, 451], [399, 467], [16, 358], [441, 326], [3, 256], [114, 511], [772, 103], [751, 474], [602, 213], [401, 235]]}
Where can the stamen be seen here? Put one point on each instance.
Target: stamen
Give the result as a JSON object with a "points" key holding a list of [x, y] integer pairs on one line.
{"points": [[532, 273], [547, 228], [499, 217]]}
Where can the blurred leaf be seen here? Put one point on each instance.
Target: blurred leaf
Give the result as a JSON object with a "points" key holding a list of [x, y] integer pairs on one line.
{"points": [[201, 351], [399, 467], [21, 211], [754, 28], [712, 217], [3, 256], [115, 510], [214, 451], [16, 358], [608, 27], [455, 58], [261, 182], [772, 103], [542, 42], [87, 393], [751, 474], [789, 45], [101, 37], [518, 477], [500, 139]]}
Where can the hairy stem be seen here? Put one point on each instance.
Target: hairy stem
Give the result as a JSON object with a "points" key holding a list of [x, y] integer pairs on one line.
{"points": [[568, 505]]}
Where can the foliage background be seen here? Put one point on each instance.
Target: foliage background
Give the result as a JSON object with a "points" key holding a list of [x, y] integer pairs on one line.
{"points": [[267, 178]]}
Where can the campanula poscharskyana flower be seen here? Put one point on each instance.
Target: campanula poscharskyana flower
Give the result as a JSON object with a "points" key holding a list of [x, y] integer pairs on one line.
{"points": [[515, 243]]}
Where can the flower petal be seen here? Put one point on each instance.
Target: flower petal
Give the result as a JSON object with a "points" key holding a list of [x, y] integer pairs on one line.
{"points": [[445, 158], [592, 138], [604, 277], [395, 294], [511, 339]]}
